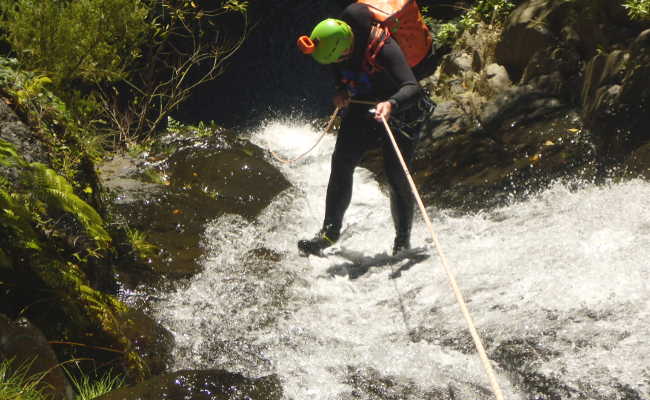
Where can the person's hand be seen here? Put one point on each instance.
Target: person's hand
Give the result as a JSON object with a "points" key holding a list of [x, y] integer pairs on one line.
{"points": [[383, 109], [341, 99]]}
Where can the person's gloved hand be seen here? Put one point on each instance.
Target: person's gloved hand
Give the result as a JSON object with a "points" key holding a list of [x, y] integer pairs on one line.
{"points": [[383, 109], [341, 99]]}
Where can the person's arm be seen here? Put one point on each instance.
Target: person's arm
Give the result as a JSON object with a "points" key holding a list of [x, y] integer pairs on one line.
{"points": [[341, 97], [392, 59]]}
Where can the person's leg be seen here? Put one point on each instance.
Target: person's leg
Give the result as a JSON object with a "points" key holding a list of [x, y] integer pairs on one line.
{"points": [[351, 144], [402, 199]]}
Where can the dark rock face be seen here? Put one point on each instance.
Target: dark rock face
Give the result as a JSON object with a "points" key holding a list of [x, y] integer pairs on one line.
{"points": [[588, 54], [480, 169], [616, 98], [578, 107], [201, 385], [152, 341], [25, 345], [14, 131]]}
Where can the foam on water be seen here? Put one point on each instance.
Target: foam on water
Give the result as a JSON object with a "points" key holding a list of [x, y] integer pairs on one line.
{"points": [[574, 263]]}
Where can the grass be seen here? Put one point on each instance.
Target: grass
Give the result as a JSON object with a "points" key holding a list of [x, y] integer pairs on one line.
{"points": [[17, 384], [88, 387]]}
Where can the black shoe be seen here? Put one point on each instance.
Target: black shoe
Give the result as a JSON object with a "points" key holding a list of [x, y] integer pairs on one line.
{"points": [[316, 245], [401, 245]]}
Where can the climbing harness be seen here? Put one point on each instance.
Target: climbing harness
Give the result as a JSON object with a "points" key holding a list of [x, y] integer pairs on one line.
{"points": [[425, 107], [425, 104], [452, 280], [327, 129]]}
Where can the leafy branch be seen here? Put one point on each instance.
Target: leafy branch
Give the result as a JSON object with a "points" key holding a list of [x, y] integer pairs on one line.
{"points": [[189, 48]]}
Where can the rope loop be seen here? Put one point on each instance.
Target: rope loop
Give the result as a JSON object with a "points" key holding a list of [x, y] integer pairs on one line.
{"points": [[327, 129]]}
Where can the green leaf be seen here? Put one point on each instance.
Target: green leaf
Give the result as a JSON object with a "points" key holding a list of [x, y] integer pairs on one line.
{"points": [[55, 191], [5, 262]]}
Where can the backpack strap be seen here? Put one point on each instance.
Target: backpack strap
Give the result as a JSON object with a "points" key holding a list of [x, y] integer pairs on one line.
{"points": [[379, 34]]}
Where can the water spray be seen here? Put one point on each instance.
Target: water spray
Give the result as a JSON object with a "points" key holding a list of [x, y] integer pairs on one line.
{"points": [[452, 281]]}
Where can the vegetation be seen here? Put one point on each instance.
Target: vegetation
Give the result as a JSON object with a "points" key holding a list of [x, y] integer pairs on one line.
{"points": [[38, 216], [122, 66], [638, 9], [185, 49], [41, 192], [90, 76], [89, 387], [83, 40], [17, 384], [492, 12]]}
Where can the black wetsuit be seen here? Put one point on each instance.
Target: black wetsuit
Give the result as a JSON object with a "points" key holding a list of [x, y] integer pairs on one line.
{"points": [[360, 132]]}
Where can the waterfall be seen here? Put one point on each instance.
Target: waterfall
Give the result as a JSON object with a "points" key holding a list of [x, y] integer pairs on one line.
{"points": [[556, 285]]}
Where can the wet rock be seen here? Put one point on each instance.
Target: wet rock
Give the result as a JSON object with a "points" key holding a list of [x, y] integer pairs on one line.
{"points": [[368, 383], [119, 175], [616, 98], [200, 179], [25, 345], [14, 131], [455, 64], [515, 158], [497, 78], [516, 106], [150, 340], [201, 385], [637, 163], [520, 357], [555, 70], [523, 36], [552, 44]]}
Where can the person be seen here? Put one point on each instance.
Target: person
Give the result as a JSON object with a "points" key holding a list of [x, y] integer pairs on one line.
{"points": [[382, 76]]}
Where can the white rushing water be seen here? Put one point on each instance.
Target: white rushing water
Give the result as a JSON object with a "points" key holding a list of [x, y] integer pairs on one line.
{"points": [[557, 287]]}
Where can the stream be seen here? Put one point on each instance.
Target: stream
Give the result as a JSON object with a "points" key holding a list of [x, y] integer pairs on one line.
{"points": [[557, 286]]}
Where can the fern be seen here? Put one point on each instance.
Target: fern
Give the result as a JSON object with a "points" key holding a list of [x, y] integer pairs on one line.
{"points": [[17, 219], [55, 191], [8, 155]]}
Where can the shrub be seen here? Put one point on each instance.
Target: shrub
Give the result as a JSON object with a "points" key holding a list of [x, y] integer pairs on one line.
{"points": [[638, 9], [483, 11], [91, 40]]}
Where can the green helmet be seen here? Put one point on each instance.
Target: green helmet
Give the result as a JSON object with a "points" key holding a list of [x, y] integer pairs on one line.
{"points": [[333, 39]]}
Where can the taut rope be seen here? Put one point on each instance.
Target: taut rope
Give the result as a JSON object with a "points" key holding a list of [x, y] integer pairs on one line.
{"points": [[459, 296]]}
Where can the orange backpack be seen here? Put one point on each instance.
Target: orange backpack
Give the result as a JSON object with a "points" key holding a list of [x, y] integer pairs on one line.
{"points": [[402, 20]]}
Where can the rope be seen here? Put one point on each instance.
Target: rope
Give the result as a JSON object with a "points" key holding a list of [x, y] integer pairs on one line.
{"points": [[327, 129], [372, 103], [459, 297]]}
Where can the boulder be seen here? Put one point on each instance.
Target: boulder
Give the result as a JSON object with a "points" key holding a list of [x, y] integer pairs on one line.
{"points": [[616, 98], [27, 347], [200, 385]]}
